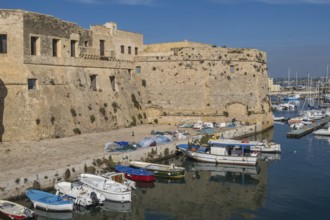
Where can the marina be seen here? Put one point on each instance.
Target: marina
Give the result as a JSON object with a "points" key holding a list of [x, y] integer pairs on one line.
{"points": [[269, 191], [298, 133]]}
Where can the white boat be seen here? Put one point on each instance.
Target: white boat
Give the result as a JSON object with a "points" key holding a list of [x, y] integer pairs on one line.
{"points": [[14, 210], [292, 97], [83, 195], [256, 146], [112, 190], [298, 125], [322, 131], [120, 178], [235, 154]]}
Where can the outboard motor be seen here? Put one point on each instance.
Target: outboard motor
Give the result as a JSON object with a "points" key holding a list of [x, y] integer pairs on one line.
{"points": [[94, 198]]}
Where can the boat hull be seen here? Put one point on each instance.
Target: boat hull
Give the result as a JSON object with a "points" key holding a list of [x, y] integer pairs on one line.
{"points": [[160, 170], [112, 192], [49, 201], [212, 158], [14, 210]]}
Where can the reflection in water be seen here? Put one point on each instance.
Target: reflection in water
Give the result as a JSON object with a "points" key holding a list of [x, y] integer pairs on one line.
{"points": [[42, 214], [244, 175], [116, 206]]}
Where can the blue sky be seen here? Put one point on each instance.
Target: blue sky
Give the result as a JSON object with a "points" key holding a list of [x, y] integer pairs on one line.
{"points": [[294, 33]]}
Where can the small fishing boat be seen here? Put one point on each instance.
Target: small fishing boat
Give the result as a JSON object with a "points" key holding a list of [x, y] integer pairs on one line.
{"points": [[14, 210], [223, 153], [49, 201], [120, 178], [112, 190], [82, 194], [136, 174], [160, 170], [256, 146]]}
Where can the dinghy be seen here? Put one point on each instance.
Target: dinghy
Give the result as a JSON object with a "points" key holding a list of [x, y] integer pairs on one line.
{"points": [[14, 210], [160, 170], [136, 174], [49, 201]]}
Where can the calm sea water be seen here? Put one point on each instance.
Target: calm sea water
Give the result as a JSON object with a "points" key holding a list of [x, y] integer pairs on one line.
{"points": [[293, 185]]}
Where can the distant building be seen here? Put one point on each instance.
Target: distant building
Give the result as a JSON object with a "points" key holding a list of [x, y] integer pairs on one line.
{"points": [[272, 87]]}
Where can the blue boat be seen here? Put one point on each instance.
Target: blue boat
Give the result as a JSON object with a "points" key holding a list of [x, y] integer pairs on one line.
{"points": [[136, 174], [49, 201]]}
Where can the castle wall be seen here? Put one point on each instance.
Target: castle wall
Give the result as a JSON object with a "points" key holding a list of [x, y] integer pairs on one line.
{"points": [[58, 79], [216, 84]]}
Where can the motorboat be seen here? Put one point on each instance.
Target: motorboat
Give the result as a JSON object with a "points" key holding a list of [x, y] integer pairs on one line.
{"points": [[112, 190], [82, 194], [120, 178], [322, 131]]}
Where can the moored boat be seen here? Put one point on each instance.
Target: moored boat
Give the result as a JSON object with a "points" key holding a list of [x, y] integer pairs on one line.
{"points": [[160, 170], [136, 174], [223, 153], [112, 190], [322, 131], [255, 146], [49, 201], [120, 178], [14, 210], [82, 194]]}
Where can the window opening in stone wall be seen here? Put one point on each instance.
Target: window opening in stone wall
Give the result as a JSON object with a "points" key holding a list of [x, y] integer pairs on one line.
{"points": [[129, 50], [232, 69], [3, 43], [136, 51], [35, 49], [102, 43], [138, 69], [73, 48], [122, 49], [93, 82], [32, 84], [86, 43], [56, 47], [113, 83]]}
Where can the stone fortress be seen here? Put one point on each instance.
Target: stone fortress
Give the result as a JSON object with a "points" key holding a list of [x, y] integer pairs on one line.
{"points": [[58, 79]]}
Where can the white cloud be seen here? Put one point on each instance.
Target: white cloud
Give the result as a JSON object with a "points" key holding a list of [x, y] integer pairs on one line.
{"points": [[118, 2]]}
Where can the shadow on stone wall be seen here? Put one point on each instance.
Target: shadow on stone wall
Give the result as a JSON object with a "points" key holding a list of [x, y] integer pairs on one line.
{"points": [[3, 94]]}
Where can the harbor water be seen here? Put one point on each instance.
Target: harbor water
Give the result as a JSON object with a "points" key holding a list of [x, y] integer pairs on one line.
{"points": [[292, 185]]}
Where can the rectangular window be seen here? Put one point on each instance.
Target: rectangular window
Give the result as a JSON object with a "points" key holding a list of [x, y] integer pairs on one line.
{"points": [[93, 82], [129, 50], [102, 47], [136, 51], [73, 48], [56, 47], [138, 70], [32, 84], [232, 69], [35, 46], [86, 43], [122, 49], [3, 43], [113, 83]]}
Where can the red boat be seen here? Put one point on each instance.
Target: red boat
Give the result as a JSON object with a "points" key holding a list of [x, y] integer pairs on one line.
{"points": [[14, 210], [136, 174]]}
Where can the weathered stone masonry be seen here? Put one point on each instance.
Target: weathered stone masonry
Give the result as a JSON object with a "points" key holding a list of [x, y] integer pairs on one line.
{"points": [[58, 79]]}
